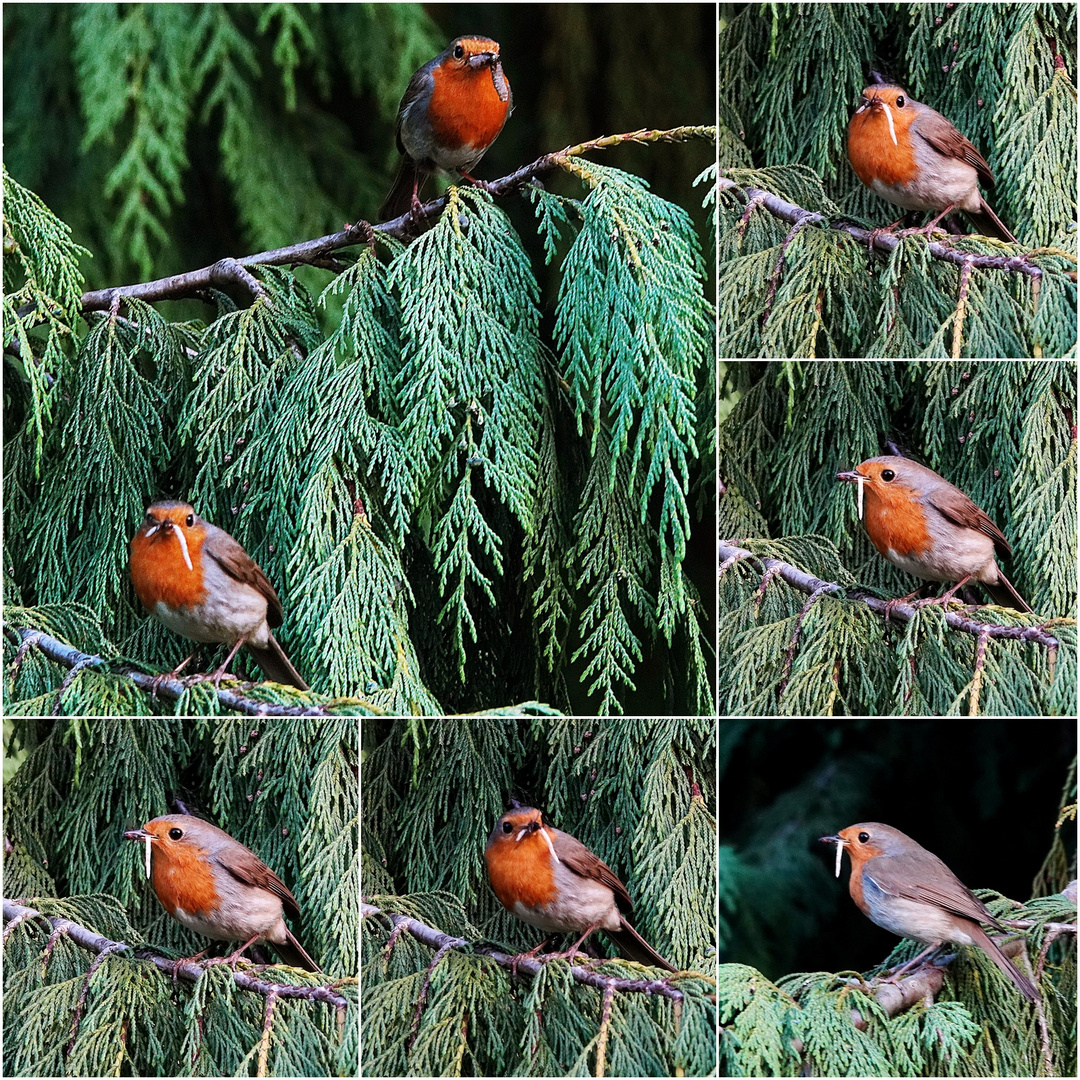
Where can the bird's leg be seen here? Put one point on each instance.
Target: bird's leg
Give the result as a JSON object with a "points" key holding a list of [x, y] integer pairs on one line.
{"points": [[216, 676], [890, 604], [527, 956], [569, 954], [416, 207], [930, 226], [885, 230], [233, 958], [483, 185], [910, 965], [945, 597], [159, 680]]}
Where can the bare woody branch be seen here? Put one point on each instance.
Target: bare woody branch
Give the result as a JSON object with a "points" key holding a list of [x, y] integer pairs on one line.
{"points": [[15, 914], [169, 688], [443, 943], [729, 555], [885, 242], [320, 251]]}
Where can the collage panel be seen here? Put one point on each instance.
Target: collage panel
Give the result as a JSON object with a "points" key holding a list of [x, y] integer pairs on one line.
{"points": [[359, 359], [852, 487], [539, 897], [897, 180], [838, 838], [180, 897]]}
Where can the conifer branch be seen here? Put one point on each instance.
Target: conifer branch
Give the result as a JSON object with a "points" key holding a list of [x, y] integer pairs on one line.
{"points": [[807, 583], [877, 238], [441, 942], [171, 688], [319, 252], [15, 914]]}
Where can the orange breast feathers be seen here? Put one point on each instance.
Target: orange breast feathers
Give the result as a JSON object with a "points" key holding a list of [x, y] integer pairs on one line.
{"points": [[159, 572], [181, 880], [872, 152], [466, 109], [894, 519], [520, 871]]}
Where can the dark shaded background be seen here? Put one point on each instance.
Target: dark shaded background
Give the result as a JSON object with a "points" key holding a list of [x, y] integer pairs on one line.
{"points": [[982, 795]]}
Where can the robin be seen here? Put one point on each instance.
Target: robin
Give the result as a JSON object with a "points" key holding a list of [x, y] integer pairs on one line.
{"points": [[900, 886], [548, 879], [217, 887], [198, 581], [926, 526], [911, 156], [453, 109]]}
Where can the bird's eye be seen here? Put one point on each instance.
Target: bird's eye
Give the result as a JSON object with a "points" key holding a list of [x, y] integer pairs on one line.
{"points": [[864, 837], [900, 102], [507, 827], [175, 834], [888, 475], [150, 518], [189, 520], [459, 51]]}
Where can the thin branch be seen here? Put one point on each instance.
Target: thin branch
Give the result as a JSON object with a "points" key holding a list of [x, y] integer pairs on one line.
{"points": [[887, 242], [15, 914], [171, 689], [729, 554], [318, 252], [441, 942]]}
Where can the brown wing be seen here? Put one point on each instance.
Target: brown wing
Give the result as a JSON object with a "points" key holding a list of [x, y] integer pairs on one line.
{"points": [[924, 877], [582, 861], [246, 866], [958, 508], [237, 563], [421, 79], [943, 137]]}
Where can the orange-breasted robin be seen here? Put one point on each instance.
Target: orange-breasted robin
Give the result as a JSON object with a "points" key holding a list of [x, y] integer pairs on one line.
{"points": [[899, 885], [453, 110], [550, 880], [198, 581], [926, 526], [217, 887], [911, 156]]}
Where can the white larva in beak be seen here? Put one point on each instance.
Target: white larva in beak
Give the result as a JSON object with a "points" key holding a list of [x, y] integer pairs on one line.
{"points": [[179, 533], [888, 116], [551, 846], [149, 839], [839, 846]]}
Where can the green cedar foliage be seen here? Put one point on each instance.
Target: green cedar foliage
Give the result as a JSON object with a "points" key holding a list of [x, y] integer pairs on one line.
{"points": [[992, 798], [1001, 431], [790, 76], [285, 788], [400, 476], [431, 792], [181, 112]]}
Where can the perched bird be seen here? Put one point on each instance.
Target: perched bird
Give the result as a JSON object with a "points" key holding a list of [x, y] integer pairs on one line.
{"points": [[903, 888], [217, 887], [550, 880], [926, 526], [453, 109], [911, 156], [198, 581]]}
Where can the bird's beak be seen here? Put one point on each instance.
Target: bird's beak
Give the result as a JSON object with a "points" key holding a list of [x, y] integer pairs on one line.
{"points": [[483, 59], [855, 478], [142, 834], [840, 843]]}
